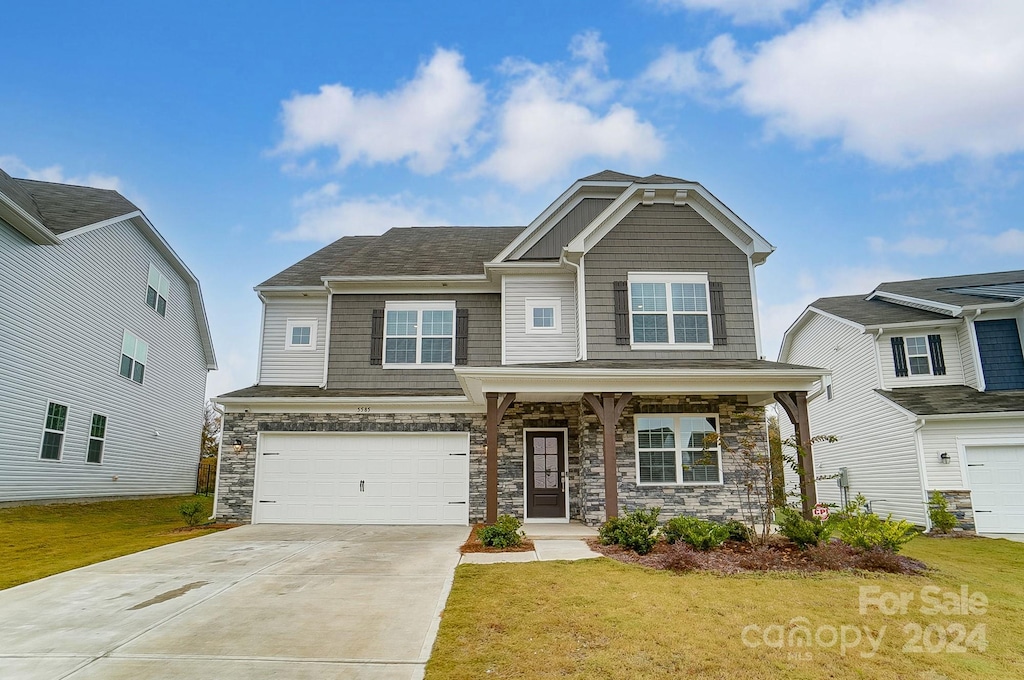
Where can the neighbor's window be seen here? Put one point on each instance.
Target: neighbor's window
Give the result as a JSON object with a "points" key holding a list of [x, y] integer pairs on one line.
{"points": [[672, 310], [97, 435], [53, 431], [917, 356], [678, 449], [156, 294], [419, 334], [300, 334], [543, 315], [134, 355]]}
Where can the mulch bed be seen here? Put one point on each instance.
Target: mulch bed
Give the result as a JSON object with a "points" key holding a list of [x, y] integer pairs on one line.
{"points": [[201, 527], [473, 544], [737, 558]]}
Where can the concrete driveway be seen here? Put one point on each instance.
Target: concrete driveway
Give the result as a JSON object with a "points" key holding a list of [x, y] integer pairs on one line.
{"points": [[266, 601]]}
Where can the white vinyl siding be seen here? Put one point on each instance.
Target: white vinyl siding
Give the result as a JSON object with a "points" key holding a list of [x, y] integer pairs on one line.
{"points": [[523, 345], [62, 340], [963, 335], [280, 363], [947, 436], [950, 352]]}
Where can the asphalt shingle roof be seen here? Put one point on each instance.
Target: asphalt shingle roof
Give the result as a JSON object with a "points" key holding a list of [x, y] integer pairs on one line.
{"points": [[12, 188], [873, 312], [284, 391], [935, 288], [307, 272], [63, 207], [930, 401], [613, 176]]}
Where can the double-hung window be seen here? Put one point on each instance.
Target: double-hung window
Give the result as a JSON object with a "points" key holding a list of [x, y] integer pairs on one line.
{"points": [[670, 311], [419, 334], [97, 437], [917, 356], [134, 355], [156, 293], [53, 431], [678, 449]]}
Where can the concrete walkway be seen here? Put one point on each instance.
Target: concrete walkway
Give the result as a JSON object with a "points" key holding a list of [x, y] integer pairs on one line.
{"points": [[253, 603], [544, 550]]}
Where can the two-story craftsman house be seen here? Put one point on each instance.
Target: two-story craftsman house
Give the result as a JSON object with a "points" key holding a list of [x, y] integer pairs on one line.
{"points": [[568, 369]]}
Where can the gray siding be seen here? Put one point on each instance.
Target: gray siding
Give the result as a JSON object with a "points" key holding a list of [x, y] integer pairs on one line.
{"points": [[63, 310], [666, 238], [522, 347], [551, 244], [349, 362], [280, 365]]}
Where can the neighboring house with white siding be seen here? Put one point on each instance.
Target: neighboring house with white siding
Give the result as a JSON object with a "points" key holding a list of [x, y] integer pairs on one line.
{"points": [[106, 348], [926, 394], [566, 370]]}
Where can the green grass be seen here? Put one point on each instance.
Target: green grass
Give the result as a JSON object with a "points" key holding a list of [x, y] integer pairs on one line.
{"points": [[603, 619], [40, 540]]}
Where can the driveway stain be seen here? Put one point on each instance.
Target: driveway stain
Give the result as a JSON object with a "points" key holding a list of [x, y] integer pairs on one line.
{"points": [[169, 595]]}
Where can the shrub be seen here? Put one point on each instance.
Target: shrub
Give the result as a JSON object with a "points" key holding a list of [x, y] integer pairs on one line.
{"points": [[863, 529], [942, 519], [192, 512], [697, 533], [738, 531], [504, 533], [634, 531], [803, 532]]}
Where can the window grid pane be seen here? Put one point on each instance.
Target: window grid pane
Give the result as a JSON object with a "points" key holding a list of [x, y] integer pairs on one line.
{"points": [[56, 417], [436, 351], [438, 322], [161, 306], [99, 426], [543, 317], [300, 335], [51, 445], [650, 328], [139, 372], [126, 366], [658, 467], [402, 323], [95, 453], [400, 351], [689, 297], [151, 297], [649, 297], [691, 328]]}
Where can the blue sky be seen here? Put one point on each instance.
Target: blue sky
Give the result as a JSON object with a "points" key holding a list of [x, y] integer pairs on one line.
{"points": [[868, 141]]}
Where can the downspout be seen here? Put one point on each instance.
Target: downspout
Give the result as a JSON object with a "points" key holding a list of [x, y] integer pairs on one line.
{"points": [[327, 333], [976, 351], [878, 358], [220, 455], [919, 445], [581, 317]]}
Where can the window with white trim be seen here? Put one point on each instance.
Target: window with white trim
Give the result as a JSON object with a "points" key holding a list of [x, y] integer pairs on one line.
{"points": [[156, 293], [97, 438], [678, 449], [300, 334], [543, 315], [53, 431], [918, 358], [419, 334], [670, 311], [134, 356]]}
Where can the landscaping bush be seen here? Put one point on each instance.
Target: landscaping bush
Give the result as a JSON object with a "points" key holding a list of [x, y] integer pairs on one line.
{"points": [[192, 512], [634, 531], [862, 529], [699, 534], [504, 533], [942, 519], [803, 532], [738, 531]]}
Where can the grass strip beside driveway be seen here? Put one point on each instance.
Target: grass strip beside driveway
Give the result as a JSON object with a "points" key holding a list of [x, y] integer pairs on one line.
{"points": [[41, 540], [604, 619]]}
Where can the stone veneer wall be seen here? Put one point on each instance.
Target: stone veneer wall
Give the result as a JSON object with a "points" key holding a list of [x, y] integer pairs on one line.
{"points": [[958, 502], [737, 421]]}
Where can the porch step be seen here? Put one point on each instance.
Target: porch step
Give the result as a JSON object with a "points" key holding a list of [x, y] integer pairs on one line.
{"points": [[542, 532]]}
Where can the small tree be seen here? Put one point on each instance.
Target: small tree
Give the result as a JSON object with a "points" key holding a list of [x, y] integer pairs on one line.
{"points": [[211, 432]]}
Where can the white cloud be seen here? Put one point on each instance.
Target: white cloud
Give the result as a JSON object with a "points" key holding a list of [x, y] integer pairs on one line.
{"points": [[15, 167], [913, 246], [325, 215], [741, 11], [1009, 242], [676, 71], [899, 82], [554, 116], [423, 122]]}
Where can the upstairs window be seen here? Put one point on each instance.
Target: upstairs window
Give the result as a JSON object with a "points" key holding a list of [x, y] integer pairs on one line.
{"points": [[671, 310], [156, 293], [543, 315], [134, 355], [53, 431], [917, 356], [419, 334], [97, 437], [300, 334]]}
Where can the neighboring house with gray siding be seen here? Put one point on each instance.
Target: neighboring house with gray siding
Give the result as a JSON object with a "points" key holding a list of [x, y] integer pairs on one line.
{"points": [[106, 348], [926, 394], [569, 369]]}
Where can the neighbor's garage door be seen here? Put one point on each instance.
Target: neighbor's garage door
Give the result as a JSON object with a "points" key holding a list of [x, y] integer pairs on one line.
{"points": [[996, 476], [362, 479]]}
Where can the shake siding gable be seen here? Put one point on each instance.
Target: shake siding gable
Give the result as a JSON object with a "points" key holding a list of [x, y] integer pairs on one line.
{"points": [[351, 321], [281, 366], [551, 244], [667, 238], [63, 311]]}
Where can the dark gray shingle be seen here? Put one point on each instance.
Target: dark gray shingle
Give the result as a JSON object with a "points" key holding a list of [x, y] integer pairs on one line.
{"points": [[63, 207], [930, 401], [935, 289], [12, 188], [307, 272], [872, 312]]}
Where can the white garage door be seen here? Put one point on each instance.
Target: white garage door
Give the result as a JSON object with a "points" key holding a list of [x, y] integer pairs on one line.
{"points": [[996, 476], [362, 479]]}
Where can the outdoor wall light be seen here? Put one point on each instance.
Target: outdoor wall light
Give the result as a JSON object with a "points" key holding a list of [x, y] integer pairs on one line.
{"points": [[238, 446], [944, 458]]}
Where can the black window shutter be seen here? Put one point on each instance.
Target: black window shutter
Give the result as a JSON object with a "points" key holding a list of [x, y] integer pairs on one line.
{"points": [[899, 357], [461, 336], [718, 312], [935, 349], [620, 290], [377, 338]]}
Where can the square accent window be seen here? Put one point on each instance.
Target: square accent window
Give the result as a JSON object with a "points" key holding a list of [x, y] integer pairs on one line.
{"points": [[134, 356], [678, 449], [917, 356], [543, 315], [97, 436], [156, 293], [300, 334], [419, 334], [671, 310], [53, 431]]}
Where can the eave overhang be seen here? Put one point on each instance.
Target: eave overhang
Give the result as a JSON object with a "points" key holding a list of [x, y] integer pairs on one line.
{"points": [[29, 226], [354, 404]]}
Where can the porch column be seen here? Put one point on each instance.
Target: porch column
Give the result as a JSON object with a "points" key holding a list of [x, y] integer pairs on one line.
{"points": [[496, 407], [609, 410], [795, 405]]}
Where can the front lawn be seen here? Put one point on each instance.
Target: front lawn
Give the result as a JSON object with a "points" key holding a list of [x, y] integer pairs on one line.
{"points": [[603, 619], [40, 540]]}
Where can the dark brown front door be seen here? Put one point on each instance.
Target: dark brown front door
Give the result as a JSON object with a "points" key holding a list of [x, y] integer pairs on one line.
{"points": [[545, 474]]}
